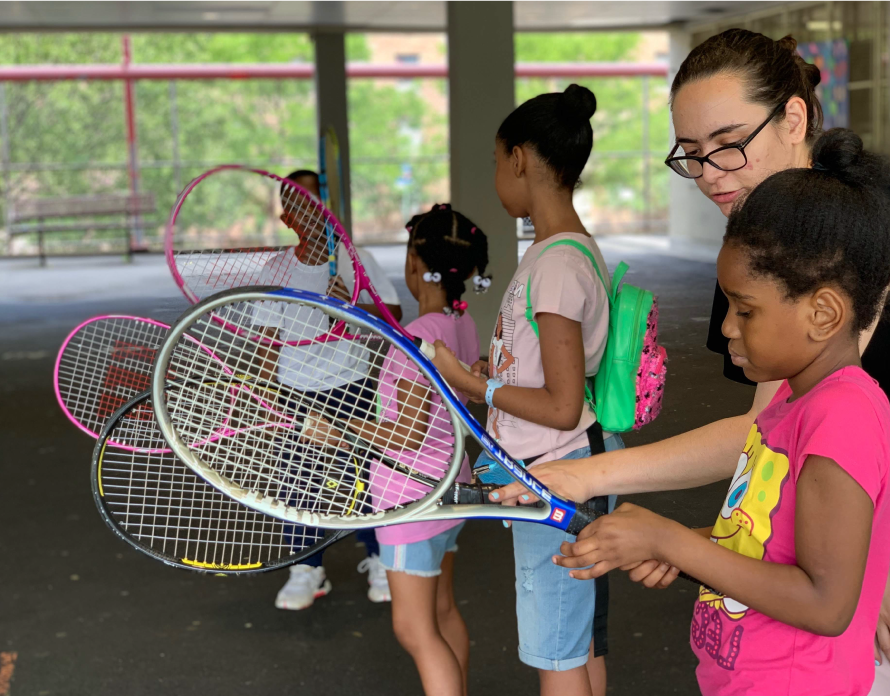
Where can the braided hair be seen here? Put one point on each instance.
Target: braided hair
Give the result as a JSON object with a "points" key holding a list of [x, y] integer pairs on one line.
{"points": [[452, 248], [829, 225]]}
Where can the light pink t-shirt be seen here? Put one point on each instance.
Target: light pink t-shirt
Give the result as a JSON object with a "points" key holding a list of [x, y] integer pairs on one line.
{"points": [[846, 418], [389, 488], [563, 282]]}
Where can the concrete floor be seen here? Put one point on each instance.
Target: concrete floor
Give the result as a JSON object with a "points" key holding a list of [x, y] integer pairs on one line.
{"points": [[88, 616]]}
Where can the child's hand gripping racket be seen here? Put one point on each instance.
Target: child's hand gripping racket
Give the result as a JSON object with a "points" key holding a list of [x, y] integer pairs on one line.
{"points": [[307, 474]]}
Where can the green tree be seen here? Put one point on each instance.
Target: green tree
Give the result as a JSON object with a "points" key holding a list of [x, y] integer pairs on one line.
{"points": [[615, 174]]}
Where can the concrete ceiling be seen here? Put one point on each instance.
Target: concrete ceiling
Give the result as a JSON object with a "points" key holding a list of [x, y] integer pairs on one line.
{"points": [[356, 16]]}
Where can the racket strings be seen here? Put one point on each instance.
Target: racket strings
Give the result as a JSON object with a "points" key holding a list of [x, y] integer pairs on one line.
{"points": [[291, 440], [160, 503], [239, 227], [104, 364]]}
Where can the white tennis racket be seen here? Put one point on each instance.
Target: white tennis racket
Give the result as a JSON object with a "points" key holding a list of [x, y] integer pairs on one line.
{"points": [[396, 422]]}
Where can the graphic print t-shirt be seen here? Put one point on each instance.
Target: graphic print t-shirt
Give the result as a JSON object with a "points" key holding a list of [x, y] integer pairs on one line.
{"points": [[389, 488], [845, 418], [563, 282], [321, 366]]}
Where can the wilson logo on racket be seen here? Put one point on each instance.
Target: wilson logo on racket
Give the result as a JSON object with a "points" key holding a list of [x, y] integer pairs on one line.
{"points": [[128, 372], [558, 515]]}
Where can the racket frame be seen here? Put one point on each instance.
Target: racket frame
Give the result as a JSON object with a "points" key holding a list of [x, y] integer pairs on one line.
{"points": [[103, 317], [103, 443], [362, 280], [556, 511], [68, 339]]}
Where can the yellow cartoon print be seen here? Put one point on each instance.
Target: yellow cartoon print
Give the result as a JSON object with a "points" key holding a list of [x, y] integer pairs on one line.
{"points": [[744, 526]]}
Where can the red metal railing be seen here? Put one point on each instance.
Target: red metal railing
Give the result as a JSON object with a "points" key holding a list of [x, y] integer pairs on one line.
{"points": [[305, 71]]}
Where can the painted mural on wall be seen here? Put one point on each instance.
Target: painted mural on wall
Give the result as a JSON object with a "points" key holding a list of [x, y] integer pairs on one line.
{"points": [[833, 60]]}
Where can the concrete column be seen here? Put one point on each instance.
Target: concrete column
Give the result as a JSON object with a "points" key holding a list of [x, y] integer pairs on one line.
{"points": [[330, 95], [693, 218], [482, 94]]}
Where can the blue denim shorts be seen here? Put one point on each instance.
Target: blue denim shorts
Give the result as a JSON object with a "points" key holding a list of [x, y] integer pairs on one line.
{"points": [[557, 616], [423, 558]]}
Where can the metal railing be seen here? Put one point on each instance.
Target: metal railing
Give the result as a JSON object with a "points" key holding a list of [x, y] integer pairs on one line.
{"points": [[140, 165]]}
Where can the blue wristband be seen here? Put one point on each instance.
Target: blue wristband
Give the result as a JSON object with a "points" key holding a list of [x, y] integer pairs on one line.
{"points": [[489, 391]]}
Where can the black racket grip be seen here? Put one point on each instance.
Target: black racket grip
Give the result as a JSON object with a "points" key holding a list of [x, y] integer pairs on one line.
{"points": [[587, 512]]}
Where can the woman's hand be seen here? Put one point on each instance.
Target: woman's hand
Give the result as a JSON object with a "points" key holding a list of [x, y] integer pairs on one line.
{"points": [[626, 537], [568, 478], [456, 376]]}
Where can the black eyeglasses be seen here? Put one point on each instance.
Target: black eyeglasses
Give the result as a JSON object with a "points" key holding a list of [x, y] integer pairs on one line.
{"points": [[726, 159]]}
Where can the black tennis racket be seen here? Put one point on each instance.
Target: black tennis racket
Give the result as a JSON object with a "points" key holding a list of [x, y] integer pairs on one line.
{"points": [[161, 508]]}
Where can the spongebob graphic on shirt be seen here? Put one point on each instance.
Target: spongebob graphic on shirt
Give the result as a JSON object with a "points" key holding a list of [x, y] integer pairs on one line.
{"points": [[744, 526]]}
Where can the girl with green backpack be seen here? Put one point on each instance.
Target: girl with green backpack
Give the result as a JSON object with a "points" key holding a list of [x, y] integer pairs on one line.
{"points": [[551, 333]]}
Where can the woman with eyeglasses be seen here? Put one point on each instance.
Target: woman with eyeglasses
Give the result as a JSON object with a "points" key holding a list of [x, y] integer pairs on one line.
{"points": [[743, 107]]}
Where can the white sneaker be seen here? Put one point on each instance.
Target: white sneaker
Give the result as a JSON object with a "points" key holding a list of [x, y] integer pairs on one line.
{"points": [[306, 584], [379, 586]]}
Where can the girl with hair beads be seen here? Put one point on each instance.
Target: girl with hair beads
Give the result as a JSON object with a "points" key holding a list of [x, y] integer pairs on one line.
{"points": [[534, 387], [445, 249], [800, 551]]}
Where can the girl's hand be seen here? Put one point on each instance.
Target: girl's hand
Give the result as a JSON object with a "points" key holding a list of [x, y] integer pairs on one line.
{"points": [[318, 431], [628, 536], [479, 369], [652, 574], [456, 376], [337, 288], [569, 479]]}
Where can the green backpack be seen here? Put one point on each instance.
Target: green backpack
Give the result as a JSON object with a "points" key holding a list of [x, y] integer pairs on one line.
{"points": [[628, 388]]}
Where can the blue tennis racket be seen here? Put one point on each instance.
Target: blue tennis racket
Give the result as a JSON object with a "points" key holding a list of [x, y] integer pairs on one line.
{"points": [[324, 190], [385, 412]]}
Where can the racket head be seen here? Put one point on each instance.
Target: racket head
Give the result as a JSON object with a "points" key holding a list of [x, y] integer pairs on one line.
{"points": [[236, 226], [264, 461], [103, 363], [161, 508]]}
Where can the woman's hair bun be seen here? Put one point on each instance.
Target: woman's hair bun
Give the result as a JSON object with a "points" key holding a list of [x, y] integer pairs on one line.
{"points": [[789, 43], [579, 102], [837, 150], [810, 72]]}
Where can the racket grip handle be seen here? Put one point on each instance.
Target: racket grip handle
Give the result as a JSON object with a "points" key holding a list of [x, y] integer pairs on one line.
{"points": [[429, 350]]}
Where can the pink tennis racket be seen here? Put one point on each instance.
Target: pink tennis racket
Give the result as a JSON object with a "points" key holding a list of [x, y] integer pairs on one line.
{"points": [[236, 226], [103, 363], [106, 361]]}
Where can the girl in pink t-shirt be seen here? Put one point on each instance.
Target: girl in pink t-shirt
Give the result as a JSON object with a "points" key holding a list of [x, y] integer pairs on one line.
{"points": [[799, 555], [534, 379], [445, 249]]}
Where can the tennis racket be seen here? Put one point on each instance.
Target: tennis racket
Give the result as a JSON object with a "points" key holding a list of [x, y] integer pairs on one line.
{"points": [[234, 227], [325, 192], [334, 173], [160, 507], [405, 435], [104, 362]]}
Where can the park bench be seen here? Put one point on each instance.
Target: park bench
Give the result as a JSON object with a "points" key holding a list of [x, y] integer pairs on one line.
{"points": [[78, 214]]}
